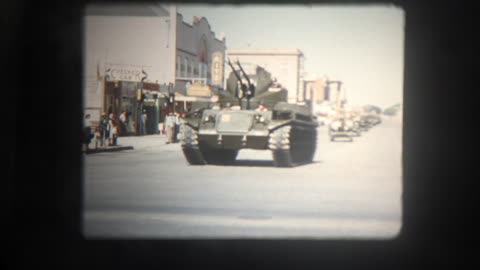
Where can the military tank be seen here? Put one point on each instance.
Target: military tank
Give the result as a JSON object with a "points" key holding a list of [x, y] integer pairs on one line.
{"points": [[215, 134]]}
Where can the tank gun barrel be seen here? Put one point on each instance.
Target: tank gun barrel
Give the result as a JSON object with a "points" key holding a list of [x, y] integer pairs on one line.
{"points": [[251, 88], [239, 79], [234, 71], [245, 75]]}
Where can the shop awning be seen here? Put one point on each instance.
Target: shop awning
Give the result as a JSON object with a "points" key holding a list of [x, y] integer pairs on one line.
{"points": [[180, 97]]}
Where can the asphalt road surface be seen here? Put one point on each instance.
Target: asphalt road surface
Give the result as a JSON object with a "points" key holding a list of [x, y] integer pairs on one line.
{"points": [[352, 190]]}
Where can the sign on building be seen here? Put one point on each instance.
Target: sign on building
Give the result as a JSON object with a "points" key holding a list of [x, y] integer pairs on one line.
{"points": [[199, 90], [217, 68], [125, 73]]}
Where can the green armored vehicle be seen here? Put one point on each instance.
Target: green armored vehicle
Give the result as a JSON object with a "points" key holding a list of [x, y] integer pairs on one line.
{"points": [[357, 129], [341, 127], [251, 113], [364, 123], [374, 119]]}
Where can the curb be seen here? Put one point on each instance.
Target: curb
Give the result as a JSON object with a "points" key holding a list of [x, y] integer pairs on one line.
{"points": [[109, 149]]}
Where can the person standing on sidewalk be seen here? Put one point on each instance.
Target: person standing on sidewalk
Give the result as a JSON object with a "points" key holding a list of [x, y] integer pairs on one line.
{"points": [[112, 130], [87, 133], [142, 123], [123, 123], [170, 122], [181, 123], [177, 127], [103, 125], [97, 136]]}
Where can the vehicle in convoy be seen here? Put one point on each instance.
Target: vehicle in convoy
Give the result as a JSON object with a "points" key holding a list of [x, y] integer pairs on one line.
{"points": [[364, 123], [372, 109], [373, 119], [215, 134], [341, 127], [392, 110], [356, 130]]}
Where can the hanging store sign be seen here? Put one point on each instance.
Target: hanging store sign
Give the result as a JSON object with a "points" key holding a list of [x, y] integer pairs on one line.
{"points": [[199, 90], [217, 68], [151, 86], [125, 73]]}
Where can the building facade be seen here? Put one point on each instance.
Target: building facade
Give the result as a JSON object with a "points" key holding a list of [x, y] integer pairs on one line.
{"points": [[135, 55], [286, 65], [315, 91], [197, 52], [323, 96]]}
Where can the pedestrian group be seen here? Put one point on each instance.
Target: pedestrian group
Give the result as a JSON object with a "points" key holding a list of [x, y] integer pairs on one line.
{"points": [[110, 127]]}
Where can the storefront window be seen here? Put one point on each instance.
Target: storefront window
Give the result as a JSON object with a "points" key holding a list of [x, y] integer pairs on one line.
{"points": [[186, 65], [189, 67], [177, 65], [182, 67], [200, 70], [195, 69], [209, 71], [109, 100]]}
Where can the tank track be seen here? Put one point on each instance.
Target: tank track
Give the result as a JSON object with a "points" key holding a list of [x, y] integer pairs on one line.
{"points": [[190, 146], [198, 154], [293, 145]]}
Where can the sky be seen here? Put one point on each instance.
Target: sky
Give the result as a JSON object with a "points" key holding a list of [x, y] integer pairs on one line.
{"points": [[362, 46]]}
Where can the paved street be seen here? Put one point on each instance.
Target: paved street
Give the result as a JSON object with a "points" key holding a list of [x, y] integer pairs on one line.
{"points": [[352, 190]]}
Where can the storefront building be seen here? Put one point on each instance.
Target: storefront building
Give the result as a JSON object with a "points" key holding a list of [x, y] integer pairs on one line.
{"points": [[126, 94], [200, 55], [137, 57]]}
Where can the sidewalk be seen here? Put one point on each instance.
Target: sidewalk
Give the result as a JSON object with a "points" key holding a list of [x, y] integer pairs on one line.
{"points": [[132, 143]]}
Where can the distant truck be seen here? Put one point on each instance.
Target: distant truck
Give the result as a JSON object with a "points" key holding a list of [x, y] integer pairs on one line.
{"points": [[341, 126]]}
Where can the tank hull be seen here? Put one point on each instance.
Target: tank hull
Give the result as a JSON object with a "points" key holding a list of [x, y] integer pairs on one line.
{"points": [[291, 143], [236, 142]]}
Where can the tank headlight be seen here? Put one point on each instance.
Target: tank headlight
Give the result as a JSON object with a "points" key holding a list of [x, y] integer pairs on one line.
{"points": [[208, 118], [259, 118]]}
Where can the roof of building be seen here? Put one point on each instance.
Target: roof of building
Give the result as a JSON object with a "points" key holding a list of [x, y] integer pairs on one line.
{"points": [[196, 20], [126, 10], [270, 51]]}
